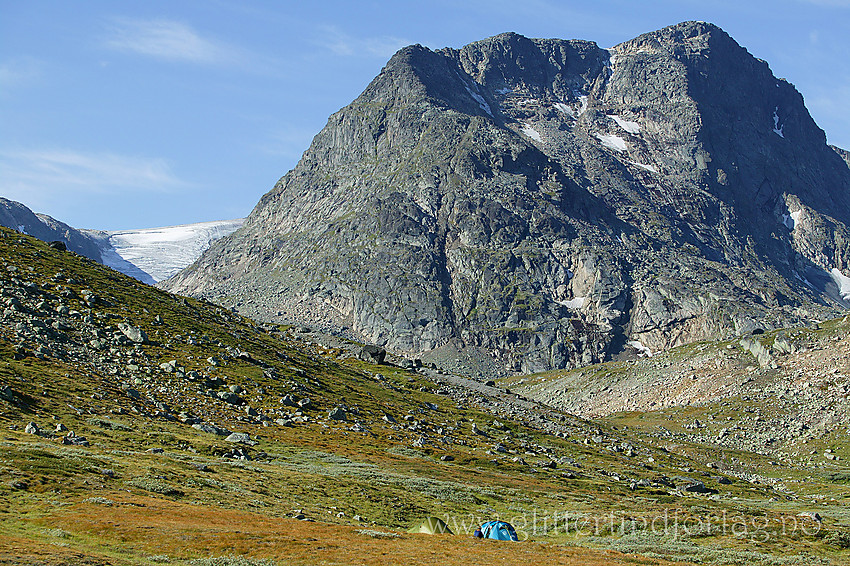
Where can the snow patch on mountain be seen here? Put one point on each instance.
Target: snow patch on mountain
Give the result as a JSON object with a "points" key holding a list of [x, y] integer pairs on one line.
{"points": [[582, 98], [650, 168], [532, 133], [575, 303], [565, 109], [628, 126], [477, 97], [613, 142], [843, 283], [643, 350], [777, 127], [792, 219]]}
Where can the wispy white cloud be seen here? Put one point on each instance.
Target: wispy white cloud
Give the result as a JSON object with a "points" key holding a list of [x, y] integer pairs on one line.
{"points": [[19, 71], [167, 39], [345, 45], [35, 176]]}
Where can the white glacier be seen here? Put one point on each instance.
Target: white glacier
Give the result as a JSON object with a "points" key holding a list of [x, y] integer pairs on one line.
{"points": [[154, 254]]}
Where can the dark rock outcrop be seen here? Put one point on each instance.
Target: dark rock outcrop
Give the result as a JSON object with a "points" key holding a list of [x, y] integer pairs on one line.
{"points": [[544, 202]]}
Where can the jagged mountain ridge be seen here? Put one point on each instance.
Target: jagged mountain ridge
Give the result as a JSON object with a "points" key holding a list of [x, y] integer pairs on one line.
{"points": [[19, 217], [545, 202], [149, 255]]}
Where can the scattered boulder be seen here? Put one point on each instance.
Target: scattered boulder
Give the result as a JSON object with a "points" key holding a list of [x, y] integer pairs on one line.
{"points": [[32, 428], [699, 487], [758, 350], [337, 414], [58, 245], [134, 333], [373, 354], [72, 439], [237, 454], [231, 398], [7, 394], [246, 357], [241, 438], [211, 429], [781, 345]]}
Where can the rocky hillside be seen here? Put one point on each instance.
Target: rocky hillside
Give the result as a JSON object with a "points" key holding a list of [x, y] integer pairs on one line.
{"points": [[543, 203], [142, 428], [781, 393]]}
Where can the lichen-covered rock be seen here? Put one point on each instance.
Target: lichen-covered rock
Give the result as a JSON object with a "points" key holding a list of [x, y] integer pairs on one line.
{"points": [[544, 202], [134, 333]]}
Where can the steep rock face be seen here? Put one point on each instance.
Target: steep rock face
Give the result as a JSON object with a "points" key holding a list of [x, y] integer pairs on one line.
{"points": [[545, 202]]}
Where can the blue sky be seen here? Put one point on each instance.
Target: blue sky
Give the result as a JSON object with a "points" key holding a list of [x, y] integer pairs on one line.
{"points": [[134, 114]]}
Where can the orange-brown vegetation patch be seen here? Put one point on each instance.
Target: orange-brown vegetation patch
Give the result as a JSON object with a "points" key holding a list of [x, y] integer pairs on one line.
{"points": [[137, 528], [20, 551]]}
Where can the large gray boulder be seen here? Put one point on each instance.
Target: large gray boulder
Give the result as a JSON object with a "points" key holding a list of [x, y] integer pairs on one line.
{"points": [[134, 333]]}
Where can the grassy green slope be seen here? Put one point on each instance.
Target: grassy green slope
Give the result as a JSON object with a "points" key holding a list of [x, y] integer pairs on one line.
{"points": [[146, 487]]}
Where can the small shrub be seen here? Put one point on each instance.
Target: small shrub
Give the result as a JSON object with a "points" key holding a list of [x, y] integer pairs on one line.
{"points": [[99, 501], [378, 534], [107, 424], [154, 485], [838, 538]]}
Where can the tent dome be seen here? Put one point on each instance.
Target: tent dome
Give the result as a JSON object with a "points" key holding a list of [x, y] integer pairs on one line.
{"points": [[432, 526], [498, 530]]}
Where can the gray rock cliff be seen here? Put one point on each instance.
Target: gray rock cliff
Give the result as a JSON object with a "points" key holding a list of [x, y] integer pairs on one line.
{"points": [[543, 203]]}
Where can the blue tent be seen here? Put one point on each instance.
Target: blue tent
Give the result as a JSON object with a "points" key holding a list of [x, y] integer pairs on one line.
{"points": [[498, 530]]}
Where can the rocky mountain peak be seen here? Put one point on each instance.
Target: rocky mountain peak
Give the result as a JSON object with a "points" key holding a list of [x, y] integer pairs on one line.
{"points": [[543, 203]]}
